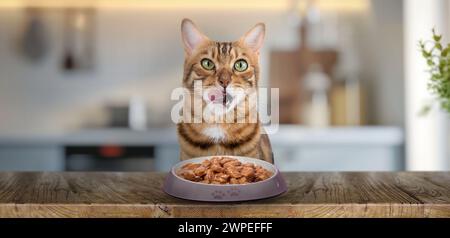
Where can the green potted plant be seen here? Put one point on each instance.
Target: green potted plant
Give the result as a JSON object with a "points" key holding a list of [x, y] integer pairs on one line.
{"points": [[438, 62]]}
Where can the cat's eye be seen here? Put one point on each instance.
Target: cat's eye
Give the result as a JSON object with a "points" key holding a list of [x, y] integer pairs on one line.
{"points": [[207, 64], [240, 65]]}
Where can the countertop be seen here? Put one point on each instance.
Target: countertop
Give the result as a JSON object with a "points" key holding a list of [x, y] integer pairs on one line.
{"points": [[318, 194], [285, 135]]}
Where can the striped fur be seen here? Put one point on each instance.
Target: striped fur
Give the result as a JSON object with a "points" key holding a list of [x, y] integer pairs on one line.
{"points": [[204, 139]]}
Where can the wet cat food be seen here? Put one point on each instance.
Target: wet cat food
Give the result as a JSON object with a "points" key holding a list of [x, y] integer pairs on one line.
{"points": [[223, 170]]}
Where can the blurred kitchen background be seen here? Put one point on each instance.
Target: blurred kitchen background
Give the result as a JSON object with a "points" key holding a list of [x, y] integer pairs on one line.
{"points": [[85, 85]]}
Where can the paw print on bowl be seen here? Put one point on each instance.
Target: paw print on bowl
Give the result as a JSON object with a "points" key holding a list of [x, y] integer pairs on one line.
{"points": [[234, 192], [218, 194]]}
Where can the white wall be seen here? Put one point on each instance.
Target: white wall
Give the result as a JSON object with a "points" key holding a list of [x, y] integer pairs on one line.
{"points": [[385, 62], [139, 52], [427, 136]]}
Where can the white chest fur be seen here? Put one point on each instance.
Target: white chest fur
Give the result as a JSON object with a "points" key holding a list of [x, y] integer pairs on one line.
{"points": [[214, 132]]}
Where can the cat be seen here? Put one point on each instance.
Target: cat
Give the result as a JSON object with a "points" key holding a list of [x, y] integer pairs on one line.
{"points": [[224, 69]]}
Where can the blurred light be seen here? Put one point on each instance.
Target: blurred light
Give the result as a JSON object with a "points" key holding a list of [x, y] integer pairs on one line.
{"points": [[111, 151], [80, 21], [275, 5]]}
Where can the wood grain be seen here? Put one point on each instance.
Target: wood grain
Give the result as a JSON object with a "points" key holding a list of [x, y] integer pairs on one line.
{"points": [[349, 194]]}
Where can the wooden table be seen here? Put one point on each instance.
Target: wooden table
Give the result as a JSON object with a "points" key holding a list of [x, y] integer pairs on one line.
{"points": [[350, 194]]}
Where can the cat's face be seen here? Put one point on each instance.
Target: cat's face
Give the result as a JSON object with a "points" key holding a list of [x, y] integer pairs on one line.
{"points": [[227, 70]]}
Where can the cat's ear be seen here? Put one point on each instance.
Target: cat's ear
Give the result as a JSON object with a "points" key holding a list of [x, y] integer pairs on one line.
{"points": [[254, 38], [191, 36]]}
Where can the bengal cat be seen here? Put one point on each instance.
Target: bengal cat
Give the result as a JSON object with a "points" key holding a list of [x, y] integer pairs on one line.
{"points": [[225, 70]]}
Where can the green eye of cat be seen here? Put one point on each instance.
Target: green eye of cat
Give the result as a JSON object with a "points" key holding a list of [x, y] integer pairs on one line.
{"points": [[240, 65], [207, 64]]}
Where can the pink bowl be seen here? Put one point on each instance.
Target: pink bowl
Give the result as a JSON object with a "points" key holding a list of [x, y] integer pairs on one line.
{"points": [[182, 188]]}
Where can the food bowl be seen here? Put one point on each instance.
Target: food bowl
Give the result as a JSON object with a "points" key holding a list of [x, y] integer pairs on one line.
{"points": [[182, 188]]}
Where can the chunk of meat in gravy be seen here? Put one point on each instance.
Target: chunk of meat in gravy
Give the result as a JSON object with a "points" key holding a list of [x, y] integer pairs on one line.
{"points": [[248, 172]]}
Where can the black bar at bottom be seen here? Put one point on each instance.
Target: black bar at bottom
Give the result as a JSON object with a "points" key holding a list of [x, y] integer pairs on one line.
{"points": [[228, 227]]}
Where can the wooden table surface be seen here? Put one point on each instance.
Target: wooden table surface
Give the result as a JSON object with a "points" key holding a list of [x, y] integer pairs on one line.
{"points": [[349, 194]]}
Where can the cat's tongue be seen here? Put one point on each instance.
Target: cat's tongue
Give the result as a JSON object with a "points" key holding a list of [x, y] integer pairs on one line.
{"points": [[216, 96]]}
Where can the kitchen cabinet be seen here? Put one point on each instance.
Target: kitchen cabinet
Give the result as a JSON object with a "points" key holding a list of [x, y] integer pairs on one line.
{"points": [[339, 158], [30, 157], [296, 148]]}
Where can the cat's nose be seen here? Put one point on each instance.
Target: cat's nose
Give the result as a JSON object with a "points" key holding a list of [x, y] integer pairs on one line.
{"points": [[224, 78]]}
